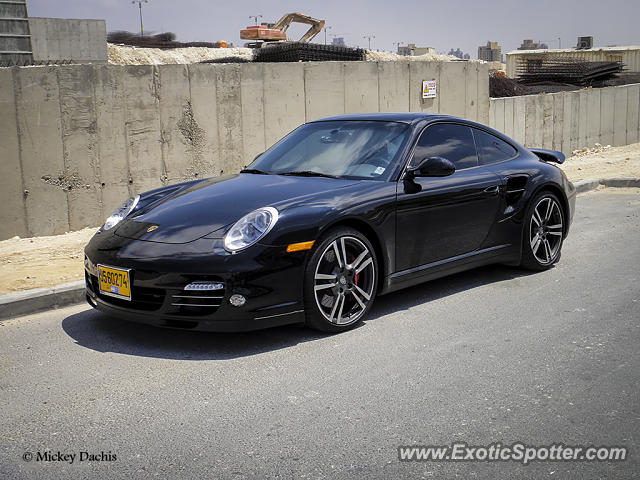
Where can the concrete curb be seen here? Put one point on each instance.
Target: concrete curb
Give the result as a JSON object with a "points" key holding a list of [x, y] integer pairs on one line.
{"points": [[593, 183], [41, 299]]}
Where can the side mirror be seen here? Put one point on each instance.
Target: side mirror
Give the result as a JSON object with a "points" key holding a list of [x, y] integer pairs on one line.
{"points": [[432, 167]]}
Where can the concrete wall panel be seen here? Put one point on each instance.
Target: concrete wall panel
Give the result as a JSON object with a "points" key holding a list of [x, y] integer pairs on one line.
{"points": [[204, 108], [393, 86], [633, 106], [13, 212], [39, 124], [113, 163], [607, 113], [142, 126], [323, 89], [229, 117], [497, 116], [620, 108], [558, 121], [471, 72], [419, 72], [547, 120], [593, 118], [483, 93], [452, 90], [252, 98], [509, 108], [180, 139], [284, 104], [519, 119], [360, 87], [78, 114]]}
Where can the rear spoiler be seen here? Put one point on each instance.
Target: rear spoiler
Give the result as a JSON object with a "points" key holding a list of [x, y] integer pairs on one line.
{"points": [[548, 155]]}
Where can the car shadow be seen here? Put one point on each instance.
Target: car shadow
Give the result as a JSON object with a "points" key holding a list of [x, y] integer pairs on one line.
{"points": [[97, 331]]}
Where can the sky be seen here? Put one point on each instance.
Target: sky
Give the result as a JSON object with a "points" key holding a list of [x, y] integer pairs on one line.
{"points": [[463, 24]]}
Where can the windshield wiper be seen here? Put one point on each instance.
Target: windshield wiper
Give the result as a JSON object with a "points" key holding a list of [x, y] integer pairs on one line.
{"points": [[254, 170], [309, 173]]}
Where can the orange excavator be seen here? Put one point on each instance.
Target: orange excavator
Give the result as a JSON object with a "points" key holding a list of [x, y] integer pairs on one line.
{"points": [[261, 34]]}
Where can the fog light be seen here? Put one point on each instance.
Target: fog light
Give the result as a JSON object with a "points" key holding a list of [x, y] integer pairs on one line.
{"points": [[200, 286], [237, 300]]}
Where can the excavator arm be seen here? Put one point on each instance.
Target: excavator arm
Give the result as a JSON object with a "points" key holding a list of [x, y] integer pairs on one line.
{"points": [[285, 22], [278, 31]]}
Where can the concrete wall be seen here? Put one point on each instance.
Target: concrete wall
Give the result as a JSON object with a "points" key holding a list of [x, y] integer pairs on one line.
{"points": [[570, 120], [80, 139], [68, 39]]}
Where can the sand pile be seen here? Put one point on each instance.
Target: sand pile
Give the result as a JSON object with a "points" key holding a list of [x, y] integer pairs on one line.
{"points": [[123, 55], [126, 55], [393, 57]]}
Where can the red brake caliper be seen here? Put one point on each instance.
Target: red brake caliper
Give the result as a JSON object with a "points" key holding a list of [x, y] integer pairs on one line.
{"points": [[355, 278]]}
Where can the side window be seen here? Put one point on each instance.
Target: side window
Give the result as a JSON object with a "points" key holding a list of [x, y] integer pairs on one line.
{"points": [[491, 149], [450, 141]]}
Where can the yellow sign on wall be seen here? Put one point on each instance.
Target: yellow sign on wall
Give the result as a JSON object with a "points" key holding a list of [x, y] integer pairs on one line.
{"points": [[429, 89]]}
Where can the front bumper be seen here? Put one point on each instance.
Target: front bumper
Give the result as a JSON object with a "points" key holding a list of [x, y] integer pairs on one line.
{"points": [[269, 278]]}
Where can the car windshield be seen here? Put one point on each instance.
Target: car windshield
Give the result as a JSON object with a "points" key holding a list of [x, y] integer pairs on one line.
{"points": [[344, 149]]}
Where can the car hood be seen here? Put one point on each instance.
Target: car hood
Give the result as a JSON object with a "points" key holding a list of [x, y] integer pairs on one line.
{"points": [[212, 204]]}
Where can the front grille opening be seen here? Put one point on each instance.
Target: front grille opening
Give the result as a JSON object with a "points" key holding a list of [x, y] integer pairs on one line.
{"points": [[197, 303]]}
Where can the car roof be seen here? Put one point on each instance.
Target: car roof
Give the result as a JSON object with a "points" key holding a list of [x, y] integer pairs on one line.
{"points": [[388, 117]]}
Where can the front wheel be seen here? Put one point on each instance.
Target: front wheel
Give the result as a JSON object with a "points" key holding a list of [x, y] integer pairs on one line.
{"points": [[543, 232], [340, 280]]}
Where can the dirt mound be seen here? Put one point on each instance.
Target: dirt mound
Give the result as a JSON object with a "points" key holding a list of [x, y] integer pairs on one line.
{"points": [[393, 57], [124, 55]]}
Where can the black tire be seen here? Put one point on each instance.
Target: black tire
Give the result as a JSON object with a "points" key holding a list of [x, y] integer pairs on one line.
{"points": [[340, 303], [543, 232]]}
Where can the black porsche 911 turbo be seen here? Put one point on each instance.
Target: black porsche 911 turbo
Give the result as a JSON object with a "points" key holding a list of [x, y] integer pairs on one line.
{"points": [[340, 210]]}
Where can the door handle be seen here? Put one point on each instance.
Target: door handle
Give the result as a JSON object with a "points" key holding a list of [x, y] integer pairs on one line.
{"points": [[493, 189]]}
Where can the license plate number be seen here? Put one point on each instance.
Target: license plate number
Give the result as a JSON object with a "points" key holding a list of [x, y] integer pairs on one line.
{"points": [[114, 282]]}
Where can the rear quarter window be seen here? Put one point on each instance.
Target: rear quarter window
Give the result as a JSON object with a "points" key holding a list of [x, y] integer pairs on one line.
{"points": [[492, 149]]}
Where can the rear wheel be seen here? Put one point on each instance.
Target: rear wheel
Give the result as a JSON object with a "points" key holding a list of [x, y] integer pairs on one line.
{"points": [[340, 280], [543, 232]]}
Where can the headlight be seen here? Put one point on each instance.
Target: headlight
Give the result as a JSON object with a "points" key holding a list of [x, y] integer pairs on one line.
{"points": [[121, 212], [250, 228]]}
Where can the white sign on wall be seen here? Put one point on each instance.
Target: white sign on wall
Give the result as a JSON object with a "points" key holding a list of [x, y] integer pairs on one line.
{"points": [[429, 89]]}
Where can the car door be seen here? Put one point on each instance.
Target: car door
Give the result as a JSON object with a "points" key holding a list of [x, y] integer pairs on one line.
{"points": [[443, 217]]}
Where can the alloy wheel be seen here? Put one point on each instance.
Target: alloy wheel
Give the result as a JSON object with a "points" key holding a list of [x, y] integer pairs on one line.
{"points": [[344, 280], [545, 230]]}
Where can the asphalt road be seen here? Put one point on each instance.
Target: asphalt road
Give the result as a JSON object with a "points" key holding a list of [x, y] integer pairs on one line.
{"points": [[491, 355]]}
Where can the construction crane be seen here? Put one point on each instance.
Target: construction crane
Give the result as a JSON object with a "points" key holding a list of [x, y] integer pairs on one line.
{"points": [[261, 34]]}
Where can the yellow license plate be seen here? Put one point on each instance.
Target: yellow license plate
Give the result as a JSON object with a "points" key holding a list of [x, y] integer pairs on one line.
{"points": [[114, 282]]}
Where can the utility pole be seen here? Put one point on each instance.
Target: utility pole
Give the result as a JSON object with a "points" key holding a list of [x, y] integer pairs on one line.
{"points": [[369, 37], [255, 17], [325, 34], [140, 2], [559, 43]]}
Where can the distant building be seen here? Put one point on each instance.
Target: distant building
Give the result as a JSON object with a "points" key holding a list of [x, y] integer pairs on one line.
{"points": [[531, 45], [490, 53], [338, 41], [411, 50], [459, 54]]}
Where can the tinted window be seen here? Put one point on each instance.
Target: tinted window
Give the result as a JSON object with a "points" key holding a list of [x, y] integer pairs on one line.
{"points": [[353, 149], [491, 149], [453, 142]]}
